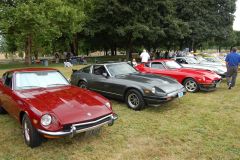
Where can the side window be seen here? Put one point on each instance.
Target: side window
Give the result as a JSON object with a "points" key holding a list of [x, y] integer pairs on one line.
{"points": [[99, 70], [157, 65], [8, 80], [147, 64], [4, 77], [181, 61], [86, 69]]}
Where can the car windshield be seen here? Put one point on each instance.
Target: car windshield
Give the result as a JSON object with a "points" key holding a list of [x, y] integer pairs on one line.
{"points": [[213, 59], [192, 60], [39, 79], [172, 65], [201, 59], [120, 69]]}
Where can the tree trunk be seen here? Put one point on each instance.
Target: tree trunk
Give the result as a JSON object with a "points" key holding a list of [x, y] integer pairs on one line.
{"points": [[129, 49], [112, 51], [28, 49], [219, 49], [74, 45]]}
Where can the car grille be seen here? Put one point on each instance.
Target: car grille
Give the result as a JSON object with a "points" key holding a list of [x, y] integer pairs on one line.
{"points": [[79, 126], [88, 124]]}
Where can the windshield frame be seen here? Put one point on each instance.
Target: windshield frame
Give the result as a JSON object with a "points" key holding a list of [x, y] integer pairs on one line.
{"points": [[111, 75], [189, 59], [165, 63], [16, 89]]}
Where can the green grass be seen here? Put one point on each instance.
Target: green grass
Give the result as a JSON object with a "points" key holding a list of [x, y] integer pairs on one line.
{"points": [[198, 126]]}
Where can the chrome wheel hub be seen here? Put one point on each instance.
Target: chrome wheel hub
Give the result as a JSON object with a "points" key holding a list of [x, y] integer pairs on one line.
{"points": [[191, 86], [83, 86], [133, 100], [26, 131]]}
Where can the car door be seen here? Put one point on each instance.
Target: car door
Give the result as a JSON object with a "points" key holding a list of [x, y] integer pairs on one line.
{"points": [[97, 82], [103, 82], [9, 98]]}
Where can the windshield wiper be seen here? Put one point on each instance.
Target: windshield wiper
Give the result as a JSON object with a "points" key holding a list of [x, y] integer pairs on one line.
{"points": [[50, 85], [30, 87]]}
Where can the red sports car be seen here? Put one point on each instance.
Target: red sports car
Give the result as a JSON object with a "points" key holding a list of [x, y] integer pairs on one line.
{"points": [[46, 105], [192, 79]]}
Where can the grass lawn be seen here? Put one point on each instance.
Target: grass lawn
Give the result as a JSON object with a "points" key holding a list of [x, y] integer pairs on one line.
{"points": [[198, 126]]}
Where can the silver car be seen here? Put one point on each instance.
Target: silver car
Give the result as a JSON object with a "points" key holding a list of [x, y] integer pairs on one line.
{"points": [[191, 62]]}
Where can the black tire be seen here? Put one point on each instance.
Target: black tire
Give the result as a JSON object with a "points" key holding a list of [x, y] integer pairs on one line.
{"points": [[191, 85], [134, 99], [2, 110], [31, 136], [82, 84]]}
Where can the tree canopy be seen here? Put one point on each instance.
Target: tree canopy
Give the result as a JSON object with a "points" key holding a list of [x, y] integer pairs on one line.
{"points": [[48, 26]]}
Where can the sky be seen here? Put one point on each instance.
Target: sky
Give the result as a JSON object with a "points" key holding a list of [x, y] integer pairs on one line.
{"points": [[236, 24]]}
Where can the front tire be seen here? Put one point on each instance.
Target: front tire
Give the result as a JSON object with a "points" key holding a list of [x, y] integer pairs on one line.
{"points": [[2, 110], [82, 84], [134, 99], [31, 135], [191, 85]]}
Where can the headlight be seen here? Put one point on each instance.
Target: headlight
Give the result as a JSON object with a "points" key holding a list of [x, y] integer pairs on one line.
{"points": [[148, 91], [204, 79], [108, 105], [46, 120], [153, 90]]}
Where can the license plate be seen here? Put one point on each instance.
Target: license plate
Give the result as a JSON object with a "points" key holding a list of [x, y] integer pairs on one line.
{"points": [[93, 132], [218, 84], [180, 94]]}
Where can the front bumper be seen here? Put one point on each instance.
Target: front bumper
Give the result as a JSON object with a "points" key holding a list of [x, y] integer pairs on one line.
{"points": [[222, 75], [210, 87], [82, 127], [156, 100]]}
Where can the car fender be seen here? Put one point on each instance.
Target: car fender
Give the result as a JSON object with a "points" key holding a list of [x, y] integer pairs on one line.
{"points": [[138, 88], [82, 79]]}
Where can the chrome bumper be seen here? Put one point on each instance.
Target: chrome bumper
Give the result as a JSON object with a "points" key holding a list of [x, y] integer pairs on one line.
{"points": [[74, 128]]}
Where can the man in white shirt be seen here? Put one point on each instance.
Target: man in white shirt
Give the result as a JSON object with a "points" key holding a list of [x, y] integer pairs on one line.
{"points": [[144, 56]]}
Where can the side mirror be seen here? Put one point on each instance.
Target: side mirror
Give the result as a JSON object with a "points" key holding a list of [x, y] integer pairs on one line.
{"points": [[74, 70], [105, 75]]}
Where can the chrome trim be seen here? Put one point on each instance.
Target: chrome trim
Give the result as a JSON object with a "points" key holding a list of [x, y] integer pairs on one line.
{"points": [[74, 131], [81, 124], [105, 92], [175, 92]]}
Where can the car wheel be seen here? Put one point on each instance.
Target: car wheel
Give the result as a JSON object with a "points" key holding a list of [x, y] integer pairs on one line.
{"points": [[2, 110], [82, 84], [134, 99], [31, 135], [191, 85]]}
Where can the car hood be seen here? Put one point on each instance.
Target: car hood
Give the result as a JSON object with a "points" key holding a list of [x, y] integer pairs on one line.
{"points": [[218, 69], [167, 84], [196, 72], [69, 104]]}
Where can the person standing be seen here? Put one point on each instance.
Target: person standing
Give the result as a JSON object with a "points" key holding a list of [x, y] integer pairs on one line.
{"points": [[144, 56], [232, 62]]}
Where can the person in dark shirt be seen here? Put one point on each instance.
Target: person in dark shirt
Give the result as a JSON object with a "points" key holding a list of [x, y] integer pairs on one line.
{"points": [[232, 62]]}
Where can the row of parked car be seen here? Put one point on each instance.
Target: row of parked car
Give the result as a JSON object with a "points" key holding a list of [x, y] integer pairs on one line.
{"points": [[48, 106]]}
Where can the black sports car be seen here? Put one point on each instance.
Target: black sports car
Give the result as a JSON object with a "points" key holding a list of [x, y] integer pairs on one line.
{"points": [[122, 81]]}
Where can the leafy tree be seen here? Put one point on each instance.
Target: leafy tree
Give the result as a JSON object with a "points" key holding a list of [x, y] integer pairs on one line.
{"points": [[206, 19]]}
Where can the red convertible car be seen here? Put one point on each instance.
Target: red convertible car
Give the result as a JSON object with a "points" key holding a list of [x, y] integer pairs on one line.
{"points": [[47, 106], [192, 79]]}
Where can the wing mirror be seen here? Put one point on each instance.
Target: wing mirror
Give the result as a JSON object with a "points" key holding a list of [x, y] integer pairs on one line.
{"points": [[74, 70], [105, 75]]}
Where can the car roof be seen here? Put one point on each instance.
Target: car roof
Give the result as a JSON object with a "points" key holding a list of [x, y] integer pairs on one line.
{"points": [[107, 63], [32, 69], [161, 60]]}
